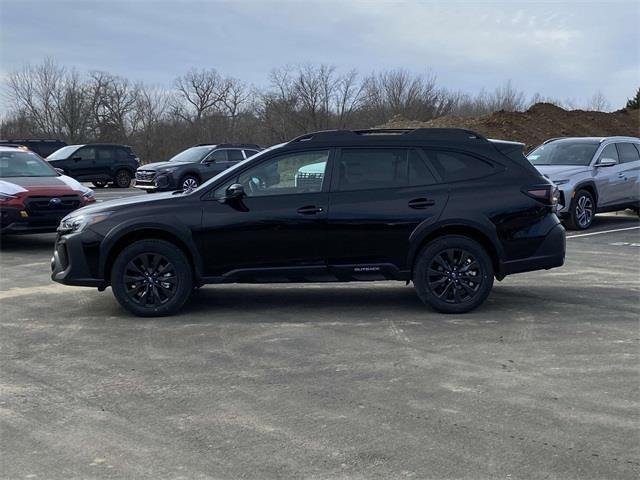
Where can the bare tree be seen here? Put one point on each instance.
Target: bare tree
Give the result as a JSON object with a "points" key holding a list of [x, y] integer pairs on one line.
{"points": [[598, 102], [200, 91]]}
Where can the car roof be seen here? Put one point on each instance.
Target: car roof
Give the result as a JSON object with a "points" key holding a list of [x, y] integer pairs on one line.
{"points": [[593, 139], [7, 148]]}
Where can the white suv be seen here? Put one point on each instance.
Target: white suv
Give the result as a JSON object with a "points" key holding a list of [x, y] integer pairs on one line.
{"points": [[593, 174]]}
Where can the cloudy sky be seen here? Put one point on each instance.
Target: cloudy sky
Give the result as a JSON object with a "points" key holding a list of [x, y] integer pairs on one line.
{"points": [[561, 49]]}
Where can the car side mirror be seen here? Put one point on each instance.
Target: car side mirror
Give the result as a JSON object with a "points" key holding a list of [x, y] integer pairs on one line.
{"points": [[234, 192], [606, 162], [59, 170]]}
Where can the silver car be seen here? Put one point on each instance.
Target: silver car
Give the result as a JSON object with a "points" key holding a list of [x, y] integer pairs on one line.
{"points": [[593, 175]]}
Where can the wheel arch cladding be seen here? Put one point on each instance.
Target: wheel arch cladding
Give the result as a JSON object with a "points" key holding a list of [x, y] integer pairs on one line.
{"points": [[589, 187], [149, 233], [458, 229]]}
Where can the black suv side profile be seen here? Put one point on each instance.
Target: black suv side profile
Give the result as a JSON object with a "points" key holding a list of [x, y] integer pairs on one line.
{"points": [[99, 163], [193, 166], [444, 208]]}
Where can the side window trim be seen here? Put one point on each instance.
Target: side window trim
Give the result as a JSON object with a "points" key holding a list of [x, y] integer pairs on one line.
{"points": [[423, 155]]}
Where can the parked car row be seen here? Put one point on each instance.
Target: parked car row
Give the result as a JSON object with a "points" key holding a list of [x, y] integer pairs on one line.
{"points": [[593, 175]]}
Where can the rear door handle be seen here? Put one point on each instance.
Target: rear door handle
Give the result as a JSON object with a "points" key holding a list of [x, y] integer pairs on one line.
{"points": [[310, 210], [419, 203]]}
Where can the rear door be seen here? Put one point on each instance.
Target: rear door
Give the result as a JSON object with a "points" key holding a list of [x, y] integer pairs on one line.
{"points": [[378, 197], [105, 160]]}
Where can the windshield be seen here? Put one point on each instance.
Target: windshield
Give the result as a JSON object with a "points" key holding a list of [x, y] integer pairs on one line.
{"points": [[24, 164], [235, 167], [564, 153], [193, 154], [64, 152]]}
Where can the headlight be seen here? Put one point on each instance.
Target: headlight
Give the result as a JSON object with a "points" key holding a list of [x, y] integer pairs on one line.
{"points": [[560, 182], [77, 223], [168, 170], [7, 196]]}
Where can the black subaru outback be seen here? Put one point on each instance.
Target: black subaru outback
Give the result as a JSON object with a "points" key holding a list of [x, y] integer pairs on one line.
{"points": [[189, 168], [444, 208]]}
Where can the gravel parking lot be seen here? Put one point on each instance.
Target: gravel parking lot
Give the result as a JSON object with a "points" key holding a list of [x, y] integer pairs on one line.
{"points": [[327, 381]]}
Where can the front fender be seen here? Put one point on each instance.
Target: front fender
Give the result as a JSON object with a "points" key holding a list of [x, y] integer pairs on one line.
{"points": [[169, 224]]}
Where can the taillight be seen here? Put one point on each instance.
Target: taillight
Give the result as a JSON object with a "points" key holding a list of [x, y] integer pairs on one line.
{"points": [[547, 194]]}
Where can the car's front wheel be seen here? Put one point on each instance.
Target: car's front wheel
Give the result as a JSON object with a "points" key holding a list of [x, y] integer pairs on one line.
{"points": [[152, 278], [453, 274], [189, 183], [582, 210]]}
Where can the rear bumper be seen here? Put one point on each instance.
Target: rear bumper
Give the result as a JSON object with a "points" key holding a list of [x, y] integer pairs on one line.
{"points": [[550, 254]]}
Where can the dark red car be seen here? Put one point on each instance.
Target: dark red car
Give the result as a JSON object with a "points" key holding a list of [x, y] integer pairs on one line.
{"points": [[34, 196]]}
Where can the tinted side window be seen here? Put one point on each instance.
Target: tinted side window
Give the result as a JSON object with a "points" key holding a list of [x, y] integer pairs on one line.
{"points": [[370, 168], [218, 156], [456, 166], [106, 154], [628, 153], [250, 153], [293, 173], [122, 154], [235, 155], [609, 152], [419, 173], [85, 153]]}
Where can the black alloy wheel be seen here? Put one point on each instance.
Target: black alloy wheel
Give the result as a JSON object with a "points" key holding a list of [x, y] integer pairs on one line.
{"points": [[453, 274], [150, 280], [123, 179]]}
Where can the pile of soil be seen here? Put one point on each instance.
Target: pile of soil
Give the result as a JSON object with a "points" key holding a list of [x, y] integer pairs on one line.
{"points": [[541, 122]]}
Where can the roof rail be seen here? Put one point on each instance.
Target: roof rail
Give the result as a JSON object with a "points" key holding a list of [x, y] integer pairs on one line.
{"points": [[442, 134], [229, 145]]}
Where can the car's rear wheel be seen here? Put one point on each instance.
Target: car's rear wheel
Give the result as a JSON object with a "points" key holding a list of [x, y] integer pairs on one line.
{"points": [[122, 179], [100, 184], [189, 183], [453, 274], [152, 278], [582, 210]]}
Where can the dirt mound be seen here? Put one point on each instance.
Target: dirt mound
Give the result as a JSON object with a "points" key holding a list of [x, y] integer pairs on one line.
{"points": [[541, 122]]}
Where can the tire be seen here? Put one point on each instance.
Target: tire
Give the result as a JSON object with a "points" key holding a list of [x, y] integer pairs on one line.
{"points": [[122, 179], [167, 285], [582, 211], [100, 184], [189, 182], [453, 274]]}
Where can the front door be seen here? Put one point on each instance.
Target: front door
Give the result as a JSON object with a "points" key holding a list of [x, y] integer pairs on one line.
{"points": [[610, 180], [82, 163], [277, 229], [379, 196]]}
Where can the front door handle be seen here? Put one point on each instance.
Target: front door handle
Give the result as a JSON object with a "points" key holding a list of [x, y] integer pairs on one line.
{"points": [[310, 210], [420, 203]]}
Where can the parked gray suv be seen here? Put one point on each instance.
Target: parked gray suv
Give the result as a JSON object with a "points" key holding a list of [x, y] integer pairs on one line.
{"points": [[593, 175]]}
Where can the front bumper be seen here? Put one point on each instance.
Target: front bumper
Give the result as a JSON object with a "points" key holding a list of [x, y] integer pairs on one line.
{"points": [[13, 221], [159, 183], [75, 260]]}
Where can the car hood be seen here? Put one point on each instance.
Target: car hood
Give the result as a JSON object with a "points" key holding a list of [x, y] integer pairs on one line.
{"points": [[125, 203], [554, 172], [158, 166], [60, 185]]}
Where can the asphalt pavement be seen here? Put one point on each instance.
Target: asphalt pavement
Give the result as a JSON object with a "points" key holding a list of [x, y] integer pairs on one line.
{"points": [[327, 381]]}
